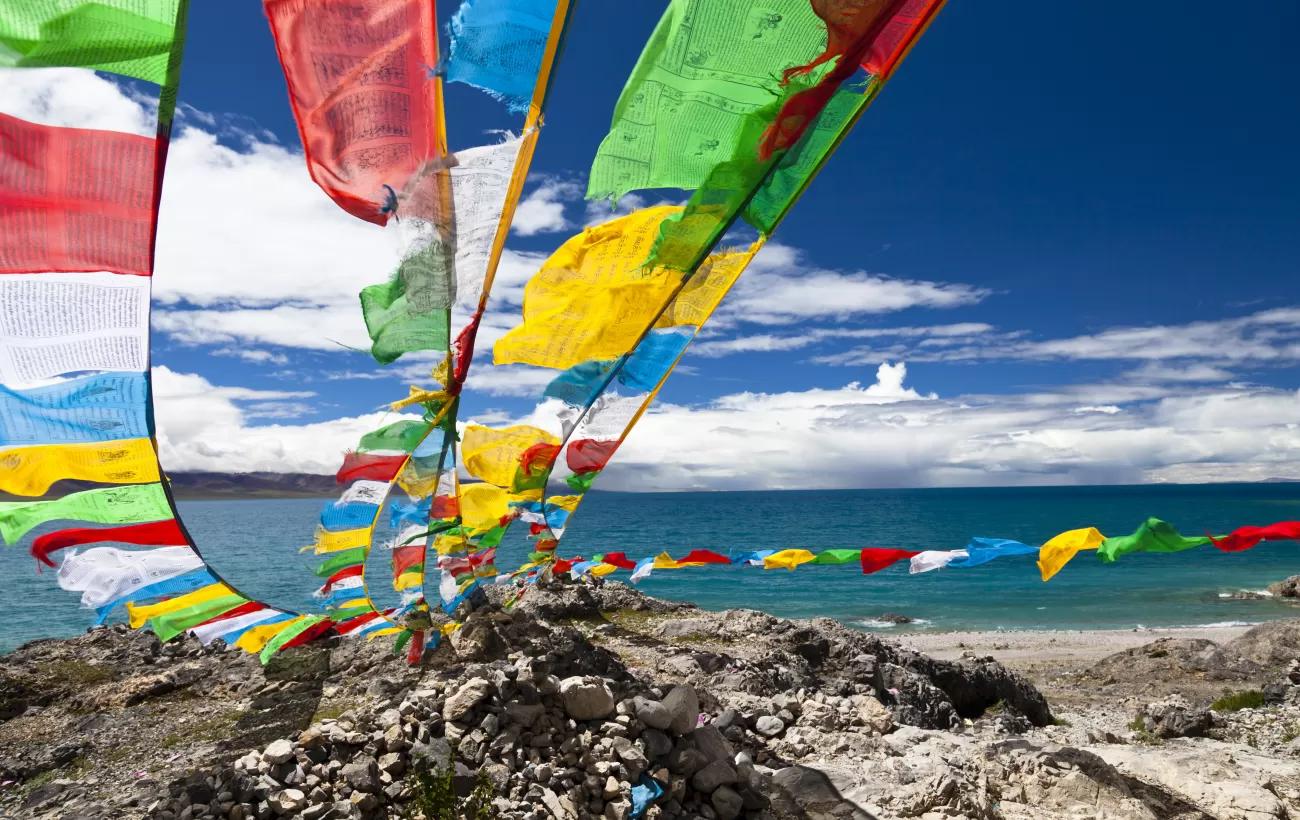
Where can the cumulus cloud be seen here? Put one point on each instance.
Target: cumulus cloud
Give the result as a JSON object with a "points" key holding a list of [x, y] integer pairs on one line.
{"points": [[782, 286], [542, 211]]}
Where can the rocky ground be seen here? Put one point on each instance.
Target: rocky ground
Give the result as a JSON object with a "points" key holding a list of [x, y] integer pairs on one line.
{"points": [[598, 702]]}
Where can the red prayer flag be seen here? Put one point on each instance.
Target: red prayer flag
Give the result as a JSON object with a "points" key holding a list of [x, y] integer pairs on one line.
{"points": [[875, 38], [155, 533], [874, 560], [539, 458], [619, 559], [444, 506], [74, 199], [1243, 538], [310, 634], [242, 609], [351, 624], [406, 557], [346, 572], [587, 455], [704, 557], [360, 84], [357, 466]]}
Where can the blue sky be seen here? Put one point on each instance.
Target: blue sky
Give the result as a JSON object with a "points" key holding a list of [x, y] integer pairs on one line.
{"points": [[1076, 227]]}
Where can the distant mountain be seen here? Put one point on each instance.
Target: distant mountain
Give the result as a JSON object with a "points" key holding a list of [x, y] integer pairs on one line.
{"points": [[198, 486], [1281, 481], [252, 485]]}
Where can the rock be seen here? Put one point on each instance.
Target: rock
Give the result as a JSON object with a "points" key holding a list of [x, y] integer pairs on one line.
{"points": [[1290, 588], [1176, 659], [874, 716], [469, 695], [684, 705], [523, 713], [586, 698], [727, 803], [712, 744], [718, 773], [687, 762], [618, 810], [769, 726], [278, 752], [1169, 720], [362, 774], [657, 744], [652, 713], [1275, 643], [392, 763], [611, 789], [893, 618], [288, 801]]}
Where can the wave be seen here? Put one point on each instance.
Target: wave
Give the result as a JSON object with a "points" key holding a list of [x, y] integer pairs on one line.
{"points": [[1263, 593], [874, 624]]}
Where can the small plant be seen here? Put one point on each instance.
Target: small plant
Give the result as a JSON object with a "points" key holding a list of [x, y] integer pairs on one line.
{"points": [[433, 795], [1059, 721], [1236, 701], [1159, 653]]}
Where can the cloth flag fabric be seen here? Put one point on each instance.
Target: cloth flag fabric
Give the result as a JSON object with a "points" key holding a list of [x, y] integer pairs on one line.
{"points": [[982, 550], [497, 46], [166, 533], [361, 91], [1057, 552], [1243, 538], [107, 407], [874, 559], [105, 574], [32, 470], [930, 560], [1153, 536], [131, 504]]}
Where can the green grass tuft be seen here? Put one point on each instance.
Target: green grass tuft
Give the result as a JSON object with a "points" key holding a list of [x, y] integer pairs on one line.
{"points": [[1236, 701]]}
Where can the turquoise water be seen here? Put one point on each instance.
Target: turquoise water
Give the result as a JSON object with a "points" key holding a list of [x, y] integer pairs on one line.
{"points": [[254, 544]]}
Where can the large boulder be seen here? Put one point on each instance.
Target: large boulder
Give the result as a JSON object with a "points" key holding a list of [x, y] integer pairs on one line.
{"points": [[1290, 588], [1167, 720], [1275, 643], [684, 705], [469, 695], [586, 698], [1174, 660]]}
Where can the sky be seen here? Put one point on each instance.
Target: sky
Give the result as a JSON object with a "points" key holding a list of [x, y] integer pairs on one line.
{"points": [[1062, 247]]}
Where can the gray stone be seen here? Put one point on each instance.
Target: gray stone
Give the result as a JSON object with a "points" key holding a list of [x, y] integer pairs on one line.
{"points": [[657, 744], [288, 801], [586, 698], [769, 726], [711, 742], [687, 762], [652, 713], [362, 774], [392, 763], [727, 803], [524, 713], [684, 705], [471, 694], [278, 752], [718, 773], [618, 810]]}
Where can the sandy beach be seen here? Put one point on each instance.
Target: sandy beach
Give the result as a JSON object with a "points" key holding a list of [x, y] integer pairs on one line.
{"points": [[1036, 647]]}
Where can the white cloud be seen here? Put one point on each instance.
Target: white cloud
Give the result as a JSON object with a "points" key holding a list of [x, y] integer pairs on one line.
{"points": [[508, 379], [781, 287], [542, 211], [202, 426], [253, 355], [943, 335], [1192, 352]]}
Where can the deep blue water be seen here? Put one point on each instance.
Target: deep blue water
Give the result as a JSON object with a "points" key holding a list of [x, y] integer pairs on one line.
{"points": [[254, 544]]}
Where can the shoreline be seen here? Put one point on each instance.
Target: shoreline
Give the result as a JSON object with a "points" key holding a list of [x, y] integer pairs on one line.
{"points": [[1039, 645]]}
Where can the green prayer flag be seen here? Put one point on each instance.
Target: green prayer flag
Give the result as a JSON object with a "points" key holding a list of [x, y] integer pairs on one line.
{"points": [[341, 560], [705, 67], [134, 38], [286, 635], [403, 638], [170, 625], [1153, 536], [581, 482], [491, 538], [796, 167], [837, 556], [130, 504], [401, 435], [395, 327], [340, 615]]}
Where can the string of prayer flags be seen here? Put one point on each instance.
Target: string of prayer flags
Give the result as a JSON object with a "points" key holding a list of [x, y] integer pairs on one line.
{"points": [[167, 533], [30, 471], [130, 504]]}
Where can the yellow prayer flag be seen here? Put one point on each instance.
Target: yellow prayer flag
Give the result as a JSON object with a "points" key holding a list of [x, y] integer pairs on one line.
{"points": [[1056, 553], [408, 580], [788, 559], [29, 471], [327, 541], [564, 502], [139, 614], [665, 561], [256, 639], [389, 630], [593, 298], [482, 506], [494, 455], [447, 629], [702, 293], [601, 570]]}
